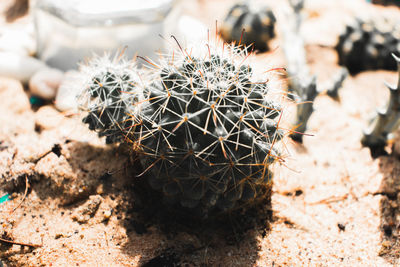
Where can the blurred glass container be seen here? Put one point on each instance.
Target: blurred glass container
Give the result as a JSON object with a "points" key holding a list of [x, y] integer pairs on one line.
{"points": [[70, 31]]}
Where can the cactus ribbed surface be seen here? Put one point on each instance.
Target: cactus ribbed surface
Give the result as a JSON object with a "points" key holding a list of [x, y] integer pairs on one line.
{"points": [[110, 96], [209, 132], [387, 120], [205, 132]]}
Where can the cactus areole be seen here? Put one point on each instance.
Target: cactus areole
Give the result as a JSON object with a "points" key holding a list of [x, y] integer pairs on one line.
{"points": [[205, 130]]}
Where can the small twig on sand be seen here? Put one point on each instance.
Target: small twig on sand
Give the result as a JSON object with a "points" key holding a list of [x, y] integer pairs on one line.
{"points": [[329, 200], [26, 191], [19, 243]]}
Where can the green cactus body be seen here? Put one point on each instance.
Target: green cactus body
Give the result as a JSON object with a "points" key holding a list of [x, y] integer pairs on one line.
{"points": [[258, 24], [111, 96], [387, 120], [368, 45], [209, 131], [206, 132]]}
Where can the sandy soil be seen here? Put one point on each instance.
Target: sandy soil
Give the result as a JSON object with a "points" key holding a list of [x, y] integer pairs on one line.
{"points": [[332, 203]]}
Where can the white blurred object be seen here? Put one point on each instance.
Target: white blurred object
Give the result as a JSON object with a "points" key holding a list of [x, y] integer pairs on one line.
{"points": [[69, 31], [45, 82], [188, 30], [18, 39], [68, 90], [19, 66], [191, 30]]}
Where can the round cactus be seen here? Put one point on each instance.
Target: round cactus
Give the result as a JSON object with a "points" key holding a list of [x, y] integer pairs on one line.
{"points": [[205, 132], [249, 25], [368, 45], [209, 130], [111, 96]]}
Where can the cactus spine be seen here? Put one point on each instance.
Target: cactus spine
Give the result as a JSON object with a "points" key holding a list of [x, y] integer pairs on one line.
{"points": [[206, 132], [110, 97], [386, 121]]}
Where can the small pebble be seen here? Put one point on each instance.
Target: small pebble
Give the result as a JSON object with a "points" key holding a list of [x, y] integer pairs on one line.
{"points": [[83, 213], [68, 91], [341, 227], [386, 244], [45, 82], [57, 236], [100, 190], [19, 67], [107, 214]]}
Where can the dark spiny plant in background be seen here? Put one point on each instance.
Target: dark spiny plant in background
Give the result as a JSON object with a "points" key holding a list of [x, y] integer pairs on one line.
{"points": [[368, 45], [249, 24], [386, 121], [386, 2], [303, 85], [205, 130]]}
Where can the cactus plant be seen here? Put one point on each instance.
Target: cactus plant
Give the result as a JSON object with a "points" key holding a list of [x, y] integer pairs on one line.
{"points": [[249, 25], [386, 121], [206, 132], [368, 45], [210, 132], [112, 87], [304, 88]]}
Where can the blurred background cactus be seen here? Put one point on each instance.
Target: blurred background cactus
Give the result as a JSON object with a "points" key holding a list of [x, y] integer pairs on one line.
{"points": [[205, 128], [303, 85], [249, 24], [386, 2], [368, 44], [386, 121]]}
